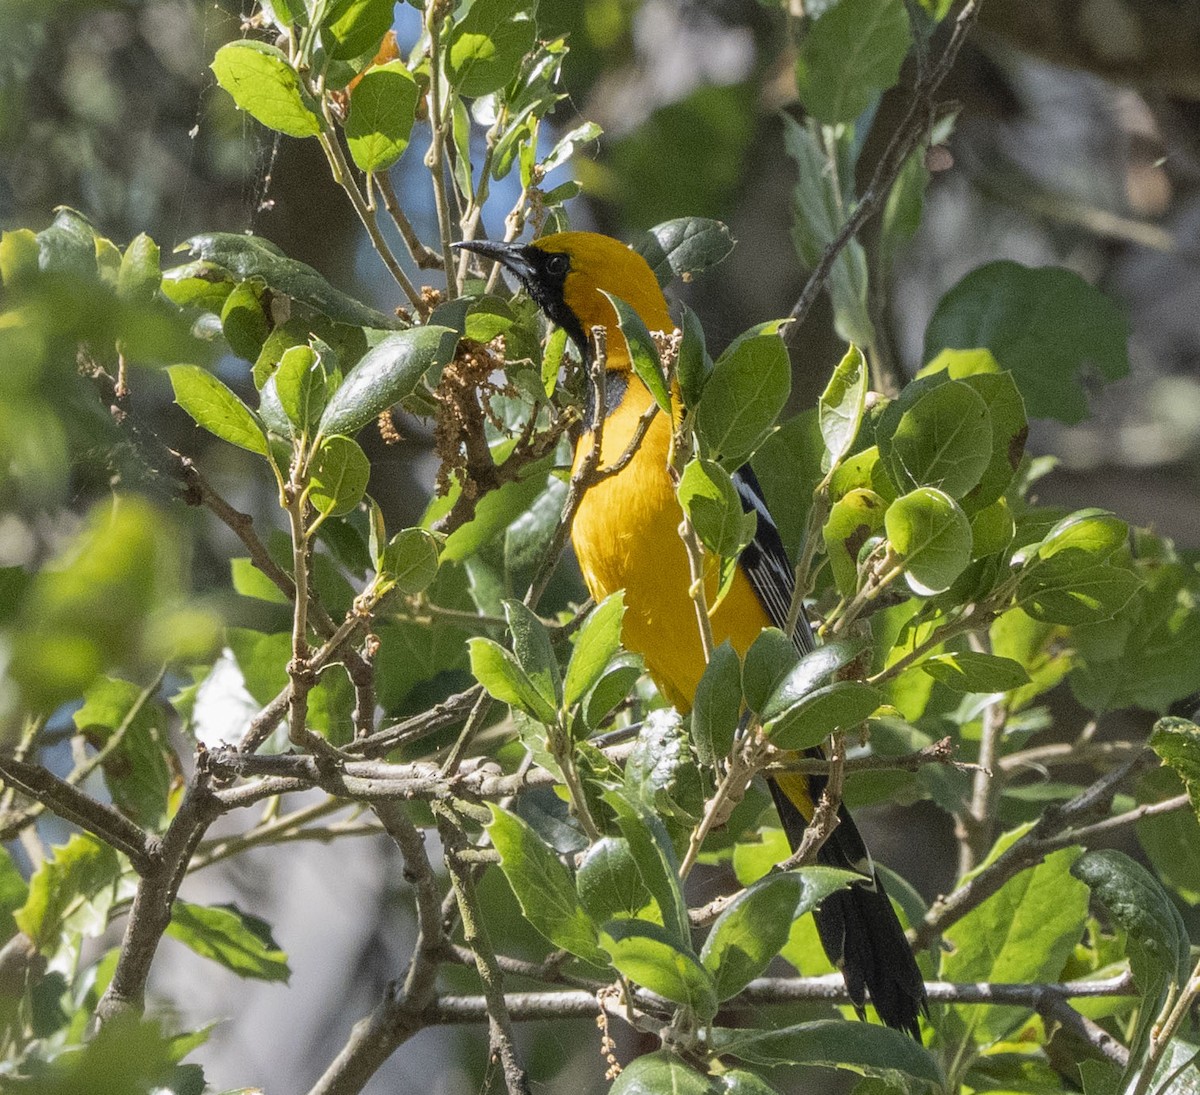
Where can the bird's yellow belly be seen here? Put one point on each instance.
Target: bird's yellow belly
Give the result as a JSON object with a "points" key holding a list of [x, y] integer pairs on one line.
{"points": [[626, 536]]}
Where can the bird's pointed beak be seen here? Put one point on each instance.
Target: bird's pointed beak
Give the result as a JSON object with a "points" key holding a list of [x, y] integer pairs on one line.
{"points": [[510, 255]]}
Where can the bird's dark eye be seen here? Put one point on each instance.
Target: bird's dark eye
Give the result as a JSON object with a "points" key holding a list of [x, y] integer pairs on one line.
{"points": [[558, 264]]}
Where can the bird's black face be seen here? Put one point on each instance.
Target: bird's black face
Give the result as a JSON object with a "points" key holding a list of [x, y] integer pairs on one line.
{"points": [[544, 276]]}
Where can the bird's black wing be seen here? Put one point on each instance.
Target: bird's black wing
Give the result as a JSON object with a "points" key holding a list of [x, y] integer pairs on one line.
{"points": [[858, 927], [765, 562]]}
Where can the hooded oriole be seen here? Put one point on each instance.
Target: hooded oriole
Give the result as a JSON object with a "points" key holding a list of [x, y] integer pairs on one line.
{"points": [[625, 536]]}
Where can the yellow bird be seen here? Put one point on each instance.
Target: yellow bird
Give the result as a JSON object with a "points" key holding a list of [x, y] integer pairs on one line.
{"points": [[626, 536]]}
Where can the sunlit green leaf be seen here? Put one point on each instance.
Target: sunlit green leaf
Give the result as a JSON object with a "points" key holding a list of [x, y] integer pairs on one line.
{"points": [[338, 475], [382, 109], [747, 389], [927, 528], [852, 52], [263, 83], [217, 409], [542, 885], [1045, 325], [241, 943]]}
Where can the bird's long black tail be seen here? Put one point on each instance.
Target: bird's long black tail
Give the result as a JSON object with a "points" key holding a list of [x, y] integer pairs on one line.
{"points": [[858, 926]]}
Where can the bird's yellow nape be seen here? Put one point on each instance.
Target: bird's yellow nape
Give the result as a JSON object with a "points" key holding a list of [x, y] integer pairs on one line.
{"points": [[601, 264]]}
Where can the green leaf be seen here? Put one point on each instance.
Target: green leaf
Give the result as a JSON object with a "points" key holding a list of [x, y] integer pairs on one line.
{"points": [[1024, 932], [972, 671], [497, 670], [842, 705], [749, 386], [1094, 532], [382, 108], [813, 670], [684, 247], [531, 644], [1170, 840], [411, 560], [858, 1047], [853, 520], [1072, 588], [655, 857], [609, 883], [709, 498], [693, 365], [71, 891], [642, 352], [614, 685], [1045, 325], [249, 581], [542, 885], [249, 257], [68, 245], [1156, 937], [788, 467], [338, 475], [388, 372], [771, 657], [356, 27], [262, 83], [1177, 742], [200, 284], [737, 1081], [661, 772], [136, 771], [236, 940], [217, 409], [597, 644], [851, 53], [564, 148], [494, 511], [14, 892], [840, 409], [750, 932], [484, 50], [717, 706], [650, 956], [243, 321], [927, 528], [300, 387], [18, 256], [943, 440], [661, 1073], [140, 274], [1010, 431]]}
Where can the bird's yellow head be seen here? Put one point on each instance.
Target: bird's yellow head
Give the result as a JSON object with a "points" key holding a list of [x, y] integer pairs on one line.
{"points": [[568, 273]]}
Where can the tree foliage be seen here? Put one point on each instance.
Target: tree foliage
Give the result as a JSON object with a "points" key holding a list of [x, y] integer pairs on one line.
{"points": [[950, 604]]}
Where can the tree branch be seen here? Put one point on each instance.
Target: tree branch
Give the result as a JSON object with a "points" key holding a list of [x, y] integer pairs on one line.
{"points": [[68, 802], [1054, 830], [913, 129], [155, 897]]}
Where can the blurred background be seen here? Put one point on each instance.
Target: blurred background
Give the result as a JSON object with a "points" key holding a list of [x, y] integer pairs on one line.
{"points": [[1077, 143]]}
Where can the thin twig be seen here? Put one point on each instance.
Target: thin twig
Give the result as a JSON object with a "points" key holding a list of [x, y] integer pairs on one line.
{"points": [[581, 478], [70, 803], [913, 129], [765, 991], [1055, 829], [475, 936], [435, 12], [825, 817], [425, 257], [343, 175]]}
